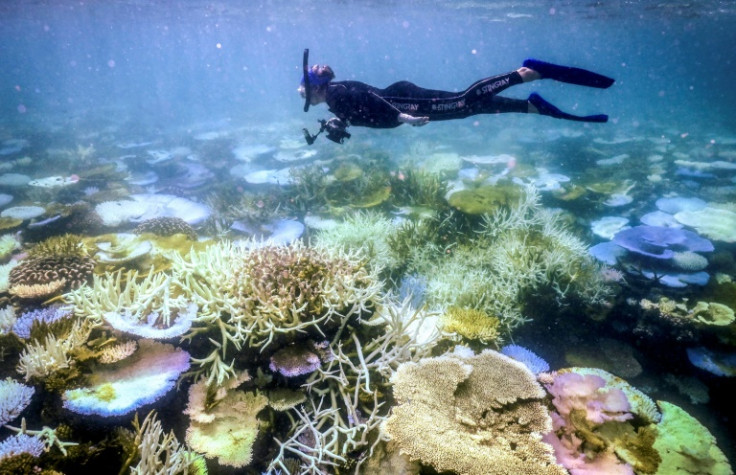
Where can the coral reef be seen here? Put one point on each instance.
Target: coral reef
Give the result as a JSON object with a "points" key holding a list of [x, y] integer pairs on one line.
{"points": [[488, 405]]}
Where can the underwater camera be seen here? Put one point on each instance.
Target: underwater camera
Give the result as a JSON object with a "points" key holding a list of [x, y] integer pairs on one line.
{"points": [[335, 129]]}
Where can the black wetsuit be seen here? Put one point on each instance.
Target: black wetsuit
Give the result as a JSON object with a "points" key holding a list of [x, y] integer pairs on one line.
{"points": [[358, 103]]}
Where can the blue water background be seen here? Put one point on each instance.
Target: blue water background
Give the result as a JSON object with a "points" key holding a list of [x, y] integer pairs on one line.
{"points": [[175, 62]]}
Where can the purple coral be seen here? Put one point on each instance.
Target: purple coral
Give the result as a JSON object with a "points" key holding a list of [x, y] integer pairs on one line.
{"points": [[23, 325], [295, 360], [530, 359], [19, 444], [661, 242]]}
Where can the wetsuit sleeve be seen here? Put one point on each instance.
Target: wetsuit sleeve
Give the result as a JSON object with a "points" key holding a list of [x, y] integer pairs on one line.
{"points": [[359, 105]]}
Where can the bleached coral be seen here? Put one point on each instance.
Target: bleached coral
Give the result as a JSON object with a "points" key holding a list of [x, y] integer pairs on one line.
{"points": [[138, 380], [7, 319], [342, 413], [479, 414], [156, 298], [116, 352], [14, 398], [41, 359], [364, 232], [160, 453], [520, 250], [5, 274]]}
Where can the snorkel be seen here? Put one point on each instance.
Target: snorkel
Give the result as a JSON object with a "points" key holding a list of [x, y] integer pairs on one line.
{"points": [[306, 80], [334, 127]]}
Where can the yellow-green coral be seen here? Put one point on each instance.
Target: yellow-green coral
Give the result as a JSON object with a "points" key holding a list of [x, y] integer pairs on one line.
{"points": [[8, 244], [231, 431], [471, 324], [686, 446], [66, 245]]}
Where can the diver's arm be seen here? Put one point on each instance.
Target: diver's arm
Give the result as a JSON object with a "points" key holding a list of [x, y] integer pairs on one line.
{"points": [[379, 103], [412, 120]]}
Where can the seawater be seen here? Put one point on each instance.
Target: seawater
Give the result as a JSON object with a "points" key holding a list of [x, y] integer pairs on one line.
{"points": [[159, 75]]}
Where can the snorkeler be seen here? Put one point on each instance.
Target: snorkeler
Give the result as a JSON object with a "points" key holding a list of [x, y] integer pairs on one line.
{"points": [[357, 103]]}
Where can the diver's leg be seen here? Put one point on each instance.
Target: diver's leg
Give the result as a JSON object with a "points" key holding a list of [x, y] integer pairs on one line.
{"points": [[537, 105], [581, 77]]}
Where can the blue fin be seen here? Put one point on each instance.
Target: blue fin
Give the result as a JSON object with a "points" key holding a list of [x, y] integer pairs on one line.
{"points": [[545, 108], [581, 77]]}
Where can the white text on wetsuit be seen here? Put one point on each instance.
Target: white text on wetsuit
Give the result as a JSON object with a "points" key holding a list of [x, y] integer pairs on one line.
{"points": [[489, 88], [405, 107], [449, 106]]}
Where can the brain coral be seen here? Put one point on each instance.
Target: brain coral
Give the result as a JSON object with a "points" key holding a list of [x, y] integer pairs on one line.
{"points": [[48, 271], [166, 226], [479, 414]]}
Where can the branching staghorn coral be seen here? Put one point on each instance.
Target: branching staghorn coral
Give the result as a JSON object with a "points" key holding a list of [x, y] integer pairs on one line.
{"points": [[520, 251], [364, 232], [41, 359], [160, 453], [158, 296], [343, 412]]}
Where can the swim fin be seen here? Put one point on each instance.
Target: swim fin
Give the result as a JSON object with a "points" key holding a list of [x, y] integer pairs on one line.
{"points": [[581, 77], [545, 108]]}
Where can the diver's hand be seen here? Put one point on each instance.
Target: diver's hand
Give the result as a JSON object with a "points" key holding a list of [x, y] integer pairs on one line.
{"points": [[411, 120]]}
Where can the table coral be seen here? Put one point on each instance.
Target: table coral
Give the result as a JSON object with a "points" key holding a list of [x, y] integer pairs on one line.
{"points": [[225, 426], [136, 381], [686, 446], [488, 405]]}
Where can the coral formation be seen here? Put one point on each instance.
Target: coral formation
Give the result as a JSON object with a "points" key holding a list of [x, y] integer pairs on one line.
{"points": [[685, 445], [470, 324], [57, 246], [366, 233], [161, 453], [40, 359], [14, 398], [166, 226], [520, 251], [488, 405], [39, 317], [43, 277], [136, 381], [224, 425]]}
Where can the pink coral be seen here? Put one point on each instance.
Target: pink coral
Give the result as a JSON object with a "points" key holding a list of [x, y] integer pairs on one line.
{"points": [[588, 392], [584, 402]]}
